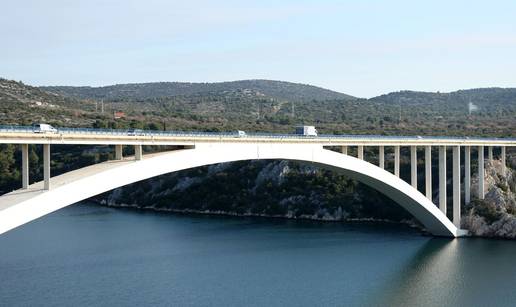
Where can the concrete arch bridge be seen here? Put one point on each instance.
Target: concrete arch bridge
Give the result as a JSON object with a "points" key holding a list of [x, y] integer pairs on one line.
{"points": [[38, 199]]}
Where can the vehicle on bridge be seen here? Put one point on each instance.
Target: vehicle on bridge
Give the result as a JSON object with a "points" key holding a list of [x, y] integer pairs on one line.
{"points": [[43, 128], [241, 134], [135, 132], [306, 130]]}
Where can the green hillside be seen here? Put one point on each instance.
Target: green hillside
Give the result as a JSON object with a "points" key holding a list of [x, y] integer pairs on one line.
{"points": [[278, 90], [22, 104], [229, 106]]}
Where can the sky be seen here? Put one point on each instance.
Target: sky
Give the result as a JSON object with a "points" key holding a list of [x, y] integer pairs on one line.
{"points": [[361, 48]]}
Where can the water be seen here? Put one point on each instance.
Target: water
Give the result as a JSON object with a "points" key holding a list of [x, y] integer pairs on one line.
{"points": [[87, 255]]}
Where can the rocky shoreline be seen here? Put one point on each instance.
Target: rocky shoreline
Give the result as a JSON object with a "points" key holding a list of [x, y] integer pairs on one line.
{"points": [[409, 223]]}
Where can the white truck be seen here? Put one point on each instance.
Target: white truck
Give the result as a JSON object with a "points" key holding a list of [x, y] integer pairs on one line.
{"points": [[306, 130], [43, 128]]}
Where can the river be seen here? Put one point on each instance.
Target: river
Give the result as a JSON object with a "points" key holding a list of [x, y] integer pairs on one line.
{"points": [[86, 255]]}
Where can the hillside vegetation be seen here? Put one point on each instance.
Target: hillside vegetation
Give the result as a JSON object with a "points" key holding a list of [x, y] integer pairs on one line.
{"points": [[21, 104], [279, 90], [260, 105], [274, 106]]}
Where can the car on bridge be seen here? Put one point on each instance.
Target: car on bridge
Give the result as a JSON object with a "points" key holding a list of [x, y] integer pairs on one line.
{"points": [[43, 128], [135, 132]]}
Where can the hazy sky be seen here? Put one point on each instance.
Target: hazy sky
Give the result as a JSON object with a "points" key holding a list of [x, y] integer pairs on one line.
{"points": [[362, 48]]}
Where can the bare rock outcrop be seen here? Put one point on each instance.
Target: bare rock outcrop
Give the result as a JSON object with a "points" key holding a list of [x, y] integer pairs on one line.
{"points": [[495, 215]]}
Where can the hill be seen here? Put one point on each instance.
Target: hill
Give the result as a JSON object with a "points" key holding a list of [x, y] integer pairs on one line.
{"points": [[279, 90], [22, 104], [484, 98], [229, 106]]}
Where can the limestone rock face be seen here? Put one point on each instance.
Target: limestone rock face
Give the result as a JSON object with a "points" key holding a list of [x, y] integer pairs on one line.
{"points": [[275, 171], [495, 215]]}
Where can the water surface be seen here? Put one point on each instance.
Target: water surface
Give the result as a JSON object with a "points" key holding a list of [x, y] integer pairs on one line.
{"points": [[87, 255]]}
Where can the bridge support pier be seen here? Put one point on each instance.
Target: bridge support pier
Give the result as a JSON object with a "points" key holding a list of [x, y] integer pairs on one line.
{"points": [[428, 172], [138, 153], [118, 152], [467, 174], [504, 167], [490, 153], [46, 166], [397, 161], [344, 149], [413, 166], [481, 191], [25, 165], [381, 157], [442, 179], [456, 186], [360, 152]]}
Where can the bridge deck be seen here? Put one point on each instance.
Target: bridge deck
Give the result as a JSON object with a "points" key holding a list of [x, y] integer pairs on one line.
{"points": [[112, 137]]}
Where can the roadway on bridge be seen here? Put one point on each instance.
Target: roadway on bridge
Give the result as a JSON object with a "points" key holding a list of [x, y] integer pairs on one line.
{"points": [[25, 135]]}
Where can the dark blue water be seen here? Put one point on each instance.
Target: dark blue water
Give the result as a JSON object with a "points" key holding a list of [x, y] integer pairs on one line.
{"points": [[86, 255]]}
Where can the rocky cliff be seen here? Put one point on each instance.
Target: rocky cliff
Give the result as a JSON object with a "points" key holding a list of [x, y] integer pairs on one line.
{"points": [[495, 215], [260, 188]]}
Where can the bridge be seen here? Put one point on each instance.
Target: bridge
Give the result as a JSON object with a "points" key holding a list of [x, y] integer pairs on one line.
{"points": [[201, 148]]}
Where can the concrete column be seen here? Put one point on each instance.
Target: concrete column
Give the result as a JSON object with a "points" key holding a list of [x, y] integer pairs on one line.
{"points": [[413, 166], [118, 152], [442, 179], [504, 166], [25, 165], [344, 149], [467, 174], [490, 153], [397, 161], [428, 172], [481, 191], [381, 156], [456, 186], [46, 166], [138, 154], [360, 150]]}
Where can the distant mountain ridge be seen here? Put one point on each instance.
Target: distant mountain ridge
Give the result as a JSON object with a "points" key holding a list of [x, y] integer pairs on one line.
{"points": [[482, 96], [279, 90]]}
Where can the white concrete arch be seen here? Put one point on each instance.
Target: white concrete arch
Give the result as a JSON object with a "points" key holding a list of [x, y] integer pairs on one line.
{"points": [[23, 206]]}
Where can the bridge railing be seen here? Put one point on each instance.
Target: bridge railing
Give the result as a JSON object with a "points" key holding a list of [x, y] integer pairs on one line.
{"points": [[172, 133], [14, 129]]}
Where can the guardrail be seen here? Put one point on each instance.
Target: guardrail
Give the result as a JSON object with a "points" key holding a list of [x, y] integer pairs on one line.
{"points": [[16, 129], [138, 132]]}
